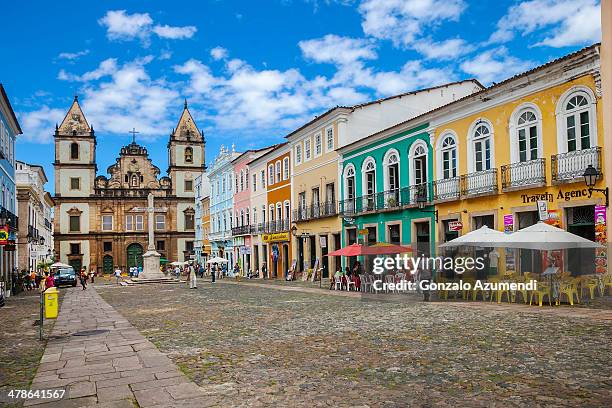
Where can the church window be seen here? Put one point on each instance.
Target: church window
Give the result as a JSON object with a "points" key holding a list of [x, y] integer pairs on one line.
{"points": [[160, 222], [135, 181], [129, 223], [188, 185], [74, 151], [189, 221], [107, 246], [127, 179], [161, 245], [107, 223], [188, 155], [75, 183], [75, 223], [139, 223], [75, 249]]}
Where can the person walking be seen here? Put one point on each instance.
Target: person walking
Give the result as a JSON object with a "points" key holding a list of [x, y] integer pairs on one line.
{"points": [[213, 272], [193, 282], [83, 278], [117, 274], [49, 281], [91, 276]]}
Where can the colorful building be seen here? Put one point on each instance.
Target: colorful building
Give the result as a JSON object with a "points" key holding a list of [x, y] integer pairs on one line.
{"points": [[316, 174], [221, 177], [241, 230], [201, 244], [276, 231], [386, 194], [9, 129]]}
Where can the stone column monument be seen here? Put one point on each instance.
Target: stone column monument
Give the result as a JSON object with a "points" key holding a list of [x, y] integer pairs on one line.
{"points": [[151, 257]]}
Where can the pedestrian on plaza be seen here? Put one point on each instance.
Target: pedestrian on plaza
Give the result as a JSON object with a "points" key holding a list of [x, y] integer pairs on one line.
{"points": [[49, 281], [138, 270], [213, 272], [193, 282], [91, 275], [177, 272], [117, 274], [83, 278]]}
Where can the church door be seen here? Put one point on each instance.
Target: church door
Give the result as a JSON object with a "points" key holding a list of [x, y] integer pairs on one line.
{"points": [[134, 255], [107, 264]]}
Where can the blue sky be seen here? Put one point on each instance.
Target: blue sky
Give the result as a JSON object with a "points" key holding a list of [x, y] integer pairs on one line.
{"points": [[253, 71]]}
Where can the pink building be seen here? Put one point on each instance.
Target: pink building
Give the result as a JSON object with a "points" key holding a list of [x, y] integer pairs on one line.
{"points": [[242, 217]]}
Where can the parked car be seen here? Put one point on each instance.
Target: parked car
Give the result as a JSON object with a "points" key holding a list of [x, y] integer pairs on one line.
{"points": [[65, 276]]}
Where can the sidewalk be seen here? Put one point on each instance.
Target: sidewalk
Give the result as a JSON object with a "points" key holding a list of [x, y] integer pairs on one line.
{"points": [[115, 367]]}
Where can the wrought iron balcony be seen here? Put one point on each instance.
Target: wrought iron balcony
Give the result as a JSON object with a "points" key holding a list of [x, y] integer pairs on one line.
{"points": [[241, 230], [387, 200], [277, 226], [11, 219], [567, 167], [447, 189], [315, 211], [479, 183], [523, 174]]}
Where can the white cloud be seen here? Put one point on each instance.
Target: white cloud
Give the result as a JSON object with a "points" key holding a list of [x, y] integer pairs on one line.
{"points": [[218, 53], [494, 65], [561, 23], [338, 50], [443, 50], [122, 26], [174, 33], [72, 56], [106, 67], [403, 21], [38, 125]]}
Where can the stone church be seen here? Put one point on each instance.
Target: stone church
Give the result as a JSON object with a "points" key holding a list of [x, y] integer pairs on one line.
{"points": [[101, 220]]}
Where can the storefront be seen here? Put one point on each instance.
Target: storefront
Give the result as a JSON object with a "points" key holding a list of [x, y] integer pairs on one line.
{"points": [[278, 246]]}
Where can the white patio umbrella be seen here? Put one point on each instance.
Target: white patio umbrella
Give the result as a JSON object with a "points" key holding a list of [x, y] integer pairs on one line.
{"points": [[177, 263], [60, 265], [217, 259], [545, 237], [482, 237]]}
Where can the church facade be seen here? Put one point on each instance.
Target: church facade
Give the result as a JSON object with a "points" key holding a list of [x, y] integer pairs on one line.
{"points": [[101, 220]]}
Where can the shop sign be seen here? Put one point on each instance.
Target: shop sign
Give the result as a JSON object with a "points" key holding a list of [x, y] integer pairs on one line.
{"points": [[561, 195], [4, 235], [601, 256], [508, 223], [245, 250], [277, 237], [363, 231], [349, 220], [323, 241], [455, 226], [543, 210]]}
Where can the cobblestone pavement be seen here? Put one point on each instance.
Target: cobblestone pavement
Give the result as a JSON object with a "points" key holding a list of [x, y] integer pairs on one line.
{"points": [[100, 360], [20, 349], [248, 345]]}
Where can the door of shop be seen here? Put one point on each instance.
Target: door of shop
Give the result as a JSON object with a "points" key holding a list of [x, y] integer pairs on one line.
{"points": [[324, 258], [581, 221]]}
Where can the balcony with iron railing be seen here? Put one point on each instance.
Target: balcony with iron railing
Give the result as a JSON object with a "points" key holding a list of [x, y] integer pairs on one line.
{"points": [[528, 174], [10, 218], [277, 226], [390, 200], [241, 230], [315, 211], [479, 183], [569, 167], [447, 189]]}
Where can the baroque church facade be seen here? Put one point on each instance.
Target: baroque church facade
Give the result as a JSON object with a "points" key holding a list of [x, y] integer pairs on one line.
{"points": [[101, 220]]}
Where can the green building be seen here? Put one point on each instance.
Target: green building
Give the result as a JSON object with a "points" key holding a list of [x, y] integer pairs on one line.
{"points": [[387, 191]]}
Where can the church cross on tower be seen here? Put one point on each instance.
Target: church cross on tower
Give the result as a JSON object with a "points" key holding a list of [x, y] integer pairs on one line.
{"points": [[133, 132]]}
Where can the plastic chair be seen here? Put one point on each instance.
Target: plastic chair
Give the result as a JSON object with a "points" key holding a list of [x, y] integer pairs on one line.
{"points": [[539, 293], [389, 279], [568, 288], [337, 282], [350, 282]]}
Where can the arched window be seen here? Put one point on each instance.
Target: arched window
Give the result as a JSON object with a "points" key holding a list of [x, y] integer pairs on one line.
{"points": [[246, 179], [279, 212], [448, 156], [271, 213], [419, 163], [248, 218], [391, 161], [263, 214], [481, 141], [285, 168], [527, 131], [287, 210], [578, 122], [349, 183], [278, 171], [241, 218], [188, 155], [369, 183], [134, 180], [254, 215], [74, 151]]}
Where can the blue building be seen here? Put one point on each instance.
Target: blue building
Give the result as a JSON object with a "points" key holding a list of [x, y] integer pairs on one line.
{"points": [[222, 180], [9, 129]]}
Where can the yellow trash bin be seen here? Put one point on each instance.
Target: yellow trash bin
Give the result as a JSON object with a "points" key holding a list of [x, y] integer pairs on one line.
{"points": [[51, 303]]}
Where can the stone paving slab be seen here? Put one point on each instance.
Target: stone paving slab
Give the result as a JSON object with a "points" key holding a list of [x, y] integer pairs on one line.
{"points": [[114, 368]]}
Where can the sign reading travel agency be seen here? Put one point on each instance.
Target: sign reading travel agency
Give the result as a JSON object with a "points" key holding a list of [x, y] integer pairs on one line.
{"points": [[277, 237]]}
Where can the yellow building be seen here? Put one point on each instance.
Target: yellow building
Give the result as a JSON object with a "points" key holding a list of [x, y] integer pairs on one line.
{"points": [[526, 140]]}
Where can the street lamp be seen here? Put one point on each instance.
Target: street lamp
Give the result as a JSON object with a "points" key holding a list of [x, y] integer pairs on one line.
{"points": [[41, 241], [591, 175]]}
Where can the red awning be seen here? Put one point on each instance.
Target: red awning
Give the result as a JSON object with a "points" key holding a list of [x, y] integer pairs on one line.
{"points": [[377, 249]]}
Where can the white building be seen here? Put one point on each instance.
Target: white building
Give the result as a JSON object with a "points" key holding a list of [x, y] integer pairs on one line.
{"points": [[35, 211]]}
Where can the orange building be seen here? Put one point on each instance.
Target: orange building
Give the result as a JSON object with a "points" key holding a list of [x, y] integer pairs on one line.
{"points": [[277, 234]]}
